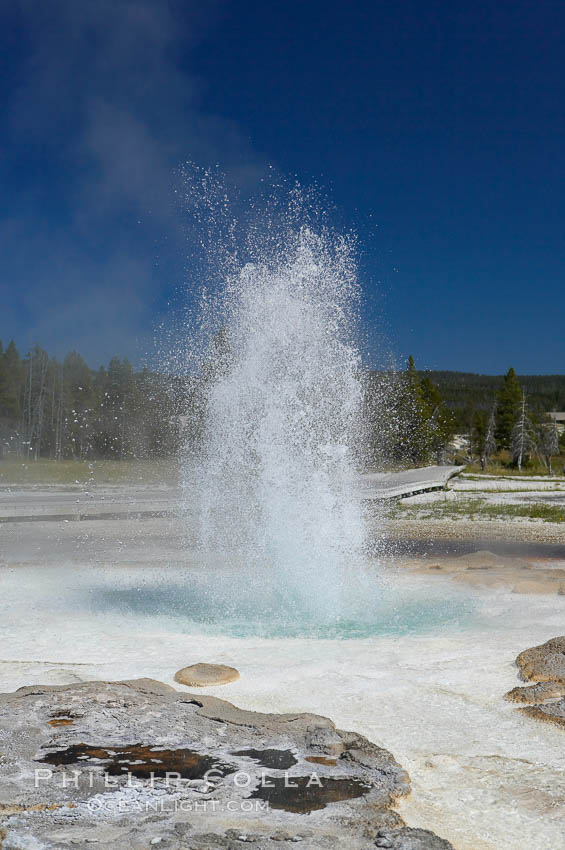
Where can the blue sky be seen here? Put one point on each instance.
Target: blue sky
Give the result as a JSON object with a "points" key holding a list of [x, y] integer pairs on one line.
{"points": [[436, 129]]}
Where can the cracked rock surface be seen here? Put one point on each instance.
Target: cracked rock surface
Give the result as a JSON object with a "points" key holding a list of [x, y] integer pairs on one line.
{"points": [[138, 764]]}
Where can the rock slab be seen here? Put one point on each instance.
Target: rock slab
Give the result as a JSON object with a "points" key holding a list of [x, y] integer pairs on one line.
{"points": [[137, 763], [486, 569], [206, 675], [410, 839], [544, 665]]}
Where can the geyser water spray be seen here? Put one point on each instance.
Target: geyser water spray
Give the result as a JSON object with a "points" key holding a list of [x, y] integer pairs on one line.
{"points": [[274, 477]]}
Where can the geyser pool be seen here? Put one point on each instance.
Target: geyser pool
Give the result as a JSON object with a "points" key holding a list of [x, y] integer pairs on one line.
{"points": [[200, 601]]}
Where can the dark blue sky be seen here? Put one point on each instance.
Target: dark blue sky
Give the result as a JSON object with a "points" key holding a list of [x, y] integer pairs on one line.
{"points": [[435, 127]]}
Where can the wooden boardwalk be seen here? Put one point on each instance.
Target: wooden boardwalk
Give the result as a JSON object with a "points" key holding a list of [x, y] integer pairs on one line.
{"points": [[409, 482]]}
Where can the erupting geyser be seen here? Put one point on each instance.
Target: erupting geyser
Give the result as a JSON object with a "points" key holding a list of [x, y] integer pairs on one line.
{"points": [[276, 472]]}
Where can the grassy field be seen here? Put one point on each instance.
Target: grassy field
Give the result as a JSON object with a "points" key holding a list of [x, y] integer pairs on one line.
{"points": [[83, 472], [501, 467], [476, 509]]}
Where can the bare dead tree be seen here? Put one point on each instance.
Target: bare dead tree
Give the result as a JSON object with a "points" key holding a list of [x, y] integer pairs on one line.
{"points": [[489, 447], [549, 442], [60, 425], [523, 440]]}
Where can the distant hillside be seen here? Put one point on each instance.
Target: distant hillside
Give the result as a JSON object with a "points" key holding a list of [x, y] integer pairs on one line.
{"points": [[466, 391]]}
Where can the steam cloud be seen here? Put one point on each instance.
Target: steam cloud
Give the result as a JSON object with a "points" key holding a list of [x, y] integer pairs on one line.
{"points": [[102, 108]]}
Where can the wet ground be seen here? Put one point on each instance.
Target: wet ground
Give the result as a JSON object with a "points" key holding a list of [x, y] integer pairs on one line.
{"points": [[76, 502], [78, 602]]}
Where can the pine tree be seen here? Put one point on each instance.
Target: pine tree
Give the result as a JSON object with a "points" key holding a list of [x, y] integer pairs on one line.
{"points": [[412, 419], [440, 420], [423, 424], [508, 404], [11, 386], [79, 406]]}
